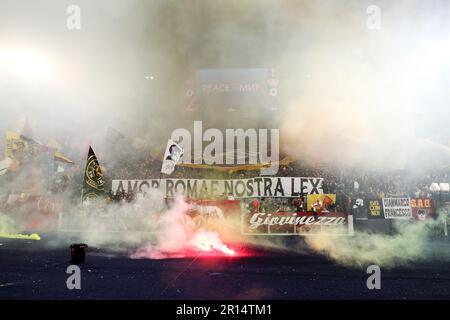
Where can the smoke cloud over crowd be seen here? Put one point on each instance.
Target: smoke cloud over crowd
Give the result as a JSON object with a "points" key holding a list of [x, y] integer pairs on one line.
{"points": [[350, 95], [411, 243], [348, 91]]}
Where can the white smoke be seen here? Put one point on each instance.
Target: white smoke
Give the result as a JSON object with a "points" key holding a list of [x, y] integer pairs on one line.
{"points": [[177, 233], [7, 224], [412, 242], [144, 229], [175, 228], [348, 95]]}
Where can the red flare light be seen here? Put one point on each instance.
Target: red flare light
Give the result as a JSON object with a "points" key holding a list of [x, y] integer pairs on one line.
{"points": [[209, 242]]}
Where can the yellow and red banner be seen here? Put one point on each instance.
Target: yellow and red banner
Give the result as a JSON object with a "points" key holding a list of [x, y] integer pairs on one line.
{"points": [[320, 202], [422, 209]]}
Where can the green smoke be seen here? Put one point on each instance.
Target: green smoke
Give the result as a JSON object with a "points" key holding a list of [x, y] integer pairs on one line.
{"points": [[411, 242], [7, 224]]}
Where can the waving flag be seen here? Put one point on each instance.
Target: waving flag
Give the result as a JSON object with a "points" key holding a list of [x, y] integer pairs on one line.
{"points": [[171, 157], [94, 184], [19, 147]]}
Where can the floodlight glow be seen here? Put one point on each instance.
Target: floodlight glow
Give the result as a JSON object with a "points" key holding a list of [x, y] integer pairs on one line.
{"points": [[24, 63]]}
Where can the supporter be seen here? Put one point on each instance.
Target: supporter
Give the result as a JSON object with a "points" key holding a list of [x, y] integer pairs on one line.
{"points": [[254, 205], [299, 204]]}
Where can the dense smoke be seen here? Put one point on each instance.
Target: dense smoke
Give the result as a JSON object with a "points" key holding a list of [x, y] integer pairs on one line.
{"points": [[173, 235], [350, 92], [411, 243], [176, 236], [7, 224], [147, 228], [349, 95]]}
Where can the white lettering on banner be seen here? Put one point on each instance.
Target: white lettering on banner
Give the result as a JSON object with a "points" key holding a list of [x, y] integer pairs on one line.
{"points": [[261, 218], [397, 208], [239, 188]]}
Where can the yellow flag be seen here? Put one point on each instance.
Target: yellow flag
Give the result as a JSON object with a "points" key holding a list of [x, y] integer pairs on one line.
{"points": [[16, 147]]}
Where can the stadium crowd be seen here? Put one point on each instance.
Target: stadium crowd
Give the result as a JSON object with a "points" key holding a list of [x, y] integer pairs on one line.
{"points": [[345, 183]]}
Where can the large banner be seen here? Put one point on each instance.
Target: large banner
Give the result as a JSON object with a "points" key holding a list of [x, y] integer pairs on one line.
{"points": [[295, 223], [396, 208], [422, 209], [237, 188]]}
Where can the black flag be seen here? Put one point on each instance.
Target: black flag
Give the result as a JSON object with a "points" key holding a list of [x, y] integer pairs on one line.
{"points": [[94, 184]]}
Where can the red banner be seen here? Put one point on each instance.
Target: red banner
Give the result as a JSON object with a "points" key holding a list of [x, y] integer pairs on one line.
{"points": [[422, 209]]}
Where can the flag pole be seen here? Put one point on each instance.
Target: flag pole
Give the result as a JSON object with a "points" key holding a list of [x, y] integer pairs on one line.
{"points": [[84, 172]]}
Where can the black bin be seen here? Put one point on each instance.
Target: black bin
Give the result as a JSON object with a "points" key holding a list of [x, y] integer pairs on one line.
{"points": [[78, 252]]}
